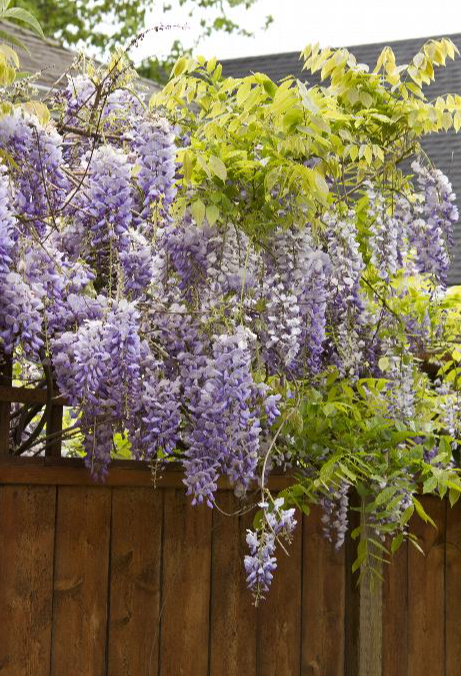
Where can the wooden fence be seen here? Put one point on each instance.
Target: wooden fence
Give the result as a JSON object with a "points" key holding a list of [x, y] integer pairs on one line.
{"points": [[122, 579], [127, 580]]}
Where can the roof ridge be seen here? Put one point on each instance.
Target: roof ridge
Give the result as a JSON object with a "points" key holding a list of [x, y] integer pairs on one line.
{"points": [[390, 43]]}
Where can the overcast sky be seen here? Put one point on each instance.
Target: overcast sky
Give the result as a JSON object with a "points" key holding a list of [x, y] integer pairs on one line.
{"points": [[330, 22]]}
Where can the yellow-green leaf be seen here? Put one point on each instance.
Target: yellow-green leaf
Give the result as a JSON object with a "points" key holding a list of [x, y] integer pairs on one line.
{"points": [[198, 211], [212, 214], [180, 66], [218, 167]]}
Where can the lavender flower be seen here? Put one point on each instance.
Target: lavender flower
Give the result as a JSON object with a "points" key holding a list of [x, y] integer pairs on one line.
{"points": [[153, 146], [8, 228], [224, 434], [261, 562], [20, 316], [40, 184]]}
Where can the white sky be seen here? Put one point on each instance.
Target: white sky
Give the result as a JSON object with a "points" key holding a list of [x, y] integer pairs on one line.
{"points": [[299, 22]]}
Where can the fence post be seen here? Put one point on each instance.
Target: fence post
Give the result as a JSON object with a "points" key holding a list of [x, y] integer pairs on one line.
{"points": [[6, 374], [53, 443], [364, 609]]}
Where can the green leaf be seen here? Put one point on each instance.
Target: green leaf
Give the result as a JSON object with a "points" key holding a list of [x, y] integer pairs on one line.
{"points": [[180, 66], [396, 542], [187, 166], [430, 484], [212, 214], [321, 184], [218, 167], [25, 16], [422, 513], [383, 363], [385, 495], [198, 211], [453, 496]]}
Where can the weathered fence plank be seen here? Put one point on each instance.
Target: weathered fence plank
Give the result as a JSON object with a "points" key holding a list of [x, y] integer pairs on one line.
{"points": [[279, 616], [453, 591], [185, 600], [426, 595], [233, 616], [323, 602], [395, 615], [81, 582], [135, 581], [27, 516]]}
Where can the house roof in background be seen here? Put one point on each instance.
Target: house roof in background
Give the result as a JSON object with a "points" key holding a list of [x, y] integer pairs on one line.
{"points": [[444, 149], [49, 58]]}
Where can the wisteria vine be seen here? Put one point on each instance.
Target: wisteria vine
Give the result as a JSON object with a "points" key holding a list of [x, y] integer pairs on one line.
{"points": [[204, 344]]}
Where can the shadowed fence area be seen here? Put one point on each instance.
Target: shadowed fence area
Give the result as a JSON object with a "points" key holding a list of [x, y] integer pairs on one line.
{"points": [[127, 580]]}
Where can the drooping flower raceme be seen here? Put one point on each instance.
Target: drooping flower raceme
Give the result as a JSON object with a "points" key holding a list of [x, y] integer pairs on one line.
{"points": [[224, 435], [260, 563], [152, 142], [431, 231], [40, 183]]}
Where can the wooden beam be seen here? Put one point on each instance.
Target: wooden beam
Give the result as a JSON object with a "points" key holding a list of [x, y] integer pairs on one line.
{"points": [[72, 472], [27, 395]]}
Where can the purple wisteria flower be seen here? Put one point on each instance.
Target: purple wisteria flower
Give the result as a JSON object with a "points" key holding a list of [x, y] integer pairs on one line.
{"points": [[261, 562], [223, 435], [40, 185], [8, 228], [152, 143], [431, 231]]}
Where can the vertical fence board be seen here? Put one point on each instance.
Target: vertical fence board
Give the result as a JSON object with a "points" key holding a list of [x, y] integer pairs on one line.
{"points": [[233, 616], [453, 591], [27, 516], [279, 616], [54, 431], [323, 602], [135, 581], [370, 642], [6, 371], [395, 615], [184, 627], [426, 594], [352, 597], [81, 581]]}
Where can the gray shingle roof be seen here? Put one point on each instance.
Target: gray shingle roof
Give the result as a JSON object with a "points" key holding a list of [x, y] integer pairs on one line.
{"points": [[444, 149], [48, 57]]}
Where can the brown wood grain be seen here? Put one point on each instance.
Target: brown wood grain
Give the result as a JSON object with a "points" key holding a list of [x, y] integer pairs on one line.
{"points": [[72, 472], [371, 620], [135, 581], [352, 595], [426, 594], [6, 369], [81, 581], [453, 591], [27, 395], [279, 616], [323, 602], [233, 615], [53, 431], [395, 614], [184, 628], [27, 516]]}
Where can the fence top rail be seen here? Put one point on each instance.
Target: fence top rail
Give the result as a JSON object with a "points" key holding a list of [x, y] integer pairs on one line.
{"points": [[48, 471], [27, 395]]}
